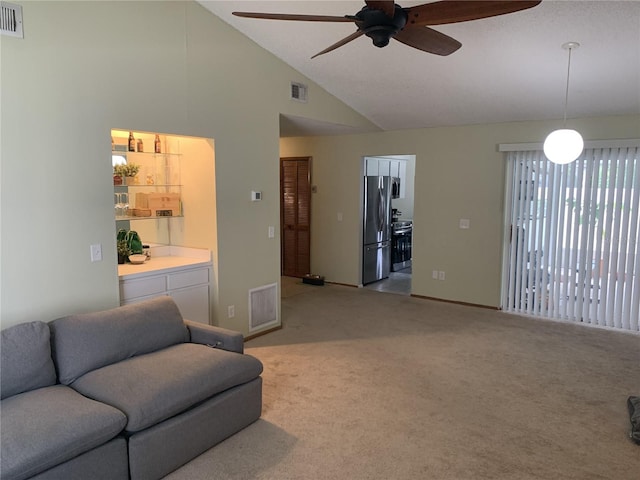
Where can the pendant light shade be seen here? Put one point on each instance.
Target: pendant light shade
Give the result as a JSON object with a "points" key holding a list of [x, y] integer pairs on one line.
{"points": [[564, 145]]}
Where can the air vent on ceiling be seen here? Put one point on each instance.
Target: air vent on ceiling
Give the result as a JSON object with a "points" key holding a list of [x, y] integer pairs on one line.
{"points": [[263, 307], [298, 92], [11, 19]]}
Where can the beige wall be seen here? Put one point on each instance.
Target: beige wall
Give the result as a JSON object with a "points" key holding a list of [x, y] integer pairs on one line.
{"points": [[169, 67], [459, 173]]}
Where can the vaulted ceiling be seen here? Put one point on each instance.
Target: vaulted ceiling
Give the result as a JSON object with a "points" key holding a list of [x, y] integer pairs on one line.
{"points": [[510, 68]]}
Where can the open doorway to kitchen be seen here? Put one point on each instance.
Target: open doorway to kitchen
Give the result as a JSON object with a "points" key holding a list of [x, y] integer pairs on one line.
{"points": [[387, 221]]}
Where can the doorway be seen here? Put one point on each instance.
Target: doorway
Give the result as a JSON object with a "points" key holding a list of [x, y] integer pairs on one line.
{"points": [[295, 215], [401, 169]]}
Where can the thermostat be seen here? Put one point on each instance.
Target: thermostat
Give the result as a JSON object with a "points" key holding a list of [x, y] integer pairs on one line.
{"points": [[256, 196]]}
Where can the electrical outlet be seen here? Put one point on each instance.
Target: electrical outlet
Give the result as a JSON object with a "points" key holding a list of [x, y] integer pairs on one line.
{"points": [[441, 275], [271, 232], [96, 252], [434, 274], [231, 311]]}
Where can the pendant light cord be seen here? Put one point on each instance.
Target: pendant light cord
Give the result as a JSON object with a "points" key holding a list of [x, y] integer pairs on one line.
{"points": [[566, 93], [569, 46]]}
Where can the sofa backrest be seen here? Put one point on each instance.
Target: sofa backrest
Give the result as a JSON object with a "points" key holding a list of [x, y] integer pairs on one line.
{"points": [[25, 359], [84, 342]]}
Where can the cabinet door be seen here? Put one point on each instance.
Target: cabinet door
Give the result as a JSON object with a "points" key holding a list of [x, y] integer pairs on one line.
{"points": [[395, 168], [193, 303], [371, 167], [403, 179], [384, 168]]}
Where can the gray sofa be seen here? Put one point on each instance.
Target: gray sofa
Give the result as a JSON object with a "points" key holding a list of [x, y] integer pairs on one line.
{"points": [[132, 392]]}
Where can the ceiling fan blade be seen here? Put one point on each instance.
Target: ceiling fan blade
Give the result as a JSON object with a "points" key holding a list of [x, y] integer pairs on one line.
{"points": [[287, 16], [453, 11], [428, 40], [342, 42], [388, 7]]}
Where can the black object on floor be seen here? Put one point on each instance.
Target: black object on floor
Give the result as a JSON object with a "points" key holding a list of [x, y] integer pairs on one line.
{"points": [[633, 403], [313, 279]]}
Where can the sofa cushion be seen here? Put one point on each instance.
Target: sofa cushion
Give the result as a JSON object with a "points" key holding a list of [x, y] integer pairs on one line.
{"points": [[25, 356], [84, 342], [151, 388], [45, 427]]}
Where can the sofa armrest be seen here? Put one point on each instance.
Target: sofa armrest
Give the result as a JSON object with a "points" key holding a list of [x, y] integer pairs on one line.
{"points": [[216, 337]]}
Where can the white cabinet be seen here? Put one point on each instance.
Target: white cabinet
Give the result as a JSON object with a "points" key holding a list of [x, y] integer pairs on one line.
{"points": [[193, 302], [395, 168], [188, 286], [371, 167], [375, 166]]}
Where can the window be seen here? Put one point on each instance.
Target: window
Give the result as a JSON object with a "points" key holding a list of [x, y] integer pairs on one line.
{"points": [[574, 234]]}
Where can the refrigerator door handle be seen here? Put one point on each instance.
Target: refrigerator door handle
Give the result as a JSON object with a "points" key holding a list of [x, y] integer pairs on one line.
{"points": [[380, 211]]}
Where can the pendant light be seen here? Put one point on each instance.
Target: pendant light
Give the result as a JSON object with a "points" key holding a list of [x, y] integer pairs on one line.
{"points": [[564, 145]]}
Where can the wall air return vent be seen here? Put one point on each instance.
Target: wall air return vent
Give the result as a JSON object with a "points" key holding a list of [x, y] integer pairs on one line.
{"points": [[298, 92], [11, 20], [263, 307]]}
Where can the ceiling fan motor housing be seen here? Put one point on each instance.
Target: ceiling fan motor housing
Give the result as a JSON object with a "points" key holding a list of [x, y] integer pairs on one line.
{"points": [[378, 26]]}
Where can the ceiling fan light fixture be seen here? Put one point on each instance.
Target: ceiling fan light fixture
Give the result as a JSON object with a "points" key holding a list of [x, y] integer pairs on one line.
{"points": [[564, 145]]}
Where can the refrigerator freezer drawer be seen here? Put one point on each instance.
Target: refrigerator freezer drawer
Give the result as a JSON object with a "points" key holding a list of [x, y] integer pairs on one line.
{"points": [[377, 262]]}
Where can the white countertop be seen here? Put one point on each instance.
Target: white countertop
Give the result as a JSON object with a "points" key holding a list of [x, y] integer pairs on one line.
{"points": [[165, 259]]}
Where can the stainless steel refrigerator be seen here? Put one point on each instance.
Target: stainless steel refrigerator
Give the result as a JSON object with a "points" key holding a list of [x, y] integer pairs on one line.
{"points": [[376, 255]]}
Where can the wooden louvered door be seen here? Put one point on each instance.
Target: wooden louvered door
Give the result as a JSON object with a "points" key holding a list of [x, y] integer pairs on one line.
{"points": [[295, 211]]}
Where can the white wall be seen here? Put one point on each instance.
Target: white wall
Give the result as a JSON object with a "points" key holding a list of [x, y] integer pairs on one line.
{"points": [[169, 67], [459, 174]]}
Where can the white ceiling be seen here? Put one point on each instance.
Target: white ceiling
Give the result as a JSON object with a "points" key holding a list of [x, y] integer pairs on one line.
{"points": [[510, 68]]}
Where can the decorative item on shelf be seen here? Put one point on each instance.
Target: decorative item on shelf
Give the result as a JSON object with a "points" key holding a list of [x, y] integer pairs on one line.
{"points": [[123, 251], [160, 204], [139, 145], [129, 171], [117, 179], [141, 212], [132, 142], [156, 144], [564, 145], [150, 180]]}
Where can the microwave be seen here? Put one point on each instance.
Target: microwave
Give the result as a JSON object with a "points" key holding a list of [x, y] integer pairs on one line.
{"points": [[395, 187]]}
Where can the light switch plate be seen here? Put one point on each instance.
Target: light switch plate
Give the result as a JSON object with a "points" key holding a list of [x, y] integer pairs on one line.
{"points": [[464, 223], [96, 252]]}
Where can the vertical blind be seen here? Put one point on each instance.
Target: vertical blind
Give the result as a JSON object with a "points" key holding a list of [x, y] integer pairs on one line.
{"points": [[574, 237]]}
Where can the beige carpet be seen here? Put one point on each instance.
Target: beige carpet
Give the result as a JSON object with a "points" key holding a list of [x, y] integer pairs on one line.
{"points": [[367, 385]]}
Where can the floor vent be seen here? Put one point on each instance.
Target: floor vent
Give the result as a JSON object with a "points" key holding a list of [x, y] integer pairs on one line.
{"points": [[11, 20], [298, 92], [263, 307]]}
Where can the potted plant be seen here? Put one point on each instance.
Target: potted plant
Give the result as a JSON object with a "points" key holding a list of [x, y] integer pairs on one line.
{"points": [[128, 171], [123, 251]]}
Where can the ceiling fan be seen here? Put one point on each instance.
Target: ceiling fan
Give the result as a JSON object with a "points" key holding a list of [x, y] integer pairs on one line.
{"points": [[383, 20]]}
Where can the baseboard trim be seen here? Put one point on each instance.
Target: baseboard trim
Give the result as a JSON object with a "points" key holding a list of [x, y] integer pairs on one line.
{"points": [[466, 304], [343, 284], [264, 332]]}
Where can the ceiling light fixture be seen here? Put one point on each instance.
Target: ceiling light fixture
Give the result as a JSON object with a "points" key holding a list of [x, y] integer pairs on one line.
{"points": [[564, 145]]}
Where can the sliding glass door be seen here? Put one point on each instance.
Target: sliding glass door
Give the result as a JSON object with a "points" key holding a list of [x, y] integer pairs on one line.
{"points": [[574, 235]]}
